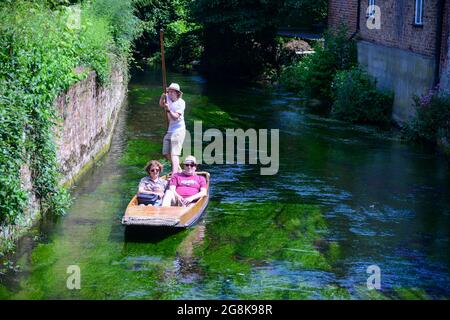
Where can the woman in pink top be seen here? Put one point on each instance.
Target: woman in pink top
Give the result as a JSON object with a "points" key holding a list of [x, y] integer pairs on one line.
{"points": [[185, 187]]}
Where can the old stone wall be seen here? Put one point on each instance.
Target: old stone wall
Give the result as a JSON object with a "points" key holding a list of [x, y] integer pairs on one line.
{"points": [[88, 114]]}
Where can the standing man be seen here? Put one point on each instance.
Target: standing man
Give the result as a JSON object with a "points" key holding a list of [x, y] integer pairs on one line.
{"points": [[174, 106]]}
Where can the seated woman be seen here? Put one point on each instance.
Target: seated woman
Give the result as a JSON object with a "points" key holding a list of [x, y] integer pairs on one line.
{"points": [[185, 187], [151, 188]]}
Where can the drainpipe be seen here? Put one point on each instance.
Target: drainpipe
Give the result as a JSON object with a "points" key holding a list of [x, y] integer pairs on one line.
{"points": [[358, 16], [440, 19]]}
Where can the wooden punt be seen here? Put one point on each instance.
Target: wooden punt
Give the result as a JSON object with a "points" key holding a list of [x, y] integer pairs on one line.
{"points": [[180, 217]]}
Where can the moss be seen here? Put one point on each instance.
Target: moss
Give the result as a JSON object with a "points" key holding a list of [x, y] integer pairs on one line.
{"points": [[4, 293], [361, 292], [287, 293], [139, 151], [7, 245], [411, 293], [143, 95], [88, 165], [223, 260], [111, 267], [333, 253], [199, 108], [253, 234], [335, 293]]}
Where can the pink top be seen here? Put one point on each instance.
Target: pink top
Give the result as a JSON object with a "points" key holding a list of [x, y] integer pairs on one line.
{"points": [[187, 186]]}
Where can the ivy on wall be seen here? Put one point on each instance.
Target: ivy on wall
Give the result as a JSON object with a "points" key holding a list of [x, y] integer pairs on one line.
{"points": [[40, 49]]}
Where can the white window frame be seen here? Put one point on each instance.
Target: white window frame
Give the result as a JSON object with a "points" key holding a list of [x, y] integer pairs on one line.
{"points": [[418, 12], [371, 9]]}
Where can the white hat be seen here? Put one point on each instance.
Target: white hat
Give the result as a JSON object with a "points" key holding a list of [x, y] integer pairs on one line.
{"points": [[175, 86], [190, 159]]}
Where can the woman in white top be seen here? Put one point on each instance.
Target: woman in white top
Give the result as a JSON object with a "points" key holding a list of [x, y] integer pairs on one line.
{"points": [[174, 105]]}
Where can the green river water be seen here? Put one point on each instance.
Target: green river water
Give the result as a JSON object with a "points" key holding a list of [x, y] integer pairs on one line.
{"points": [[346, 197]]}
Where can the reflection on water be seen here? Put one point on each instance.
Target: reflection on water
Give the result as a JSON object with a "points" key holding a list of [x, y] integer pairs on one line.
{"points": [[346, 197]]}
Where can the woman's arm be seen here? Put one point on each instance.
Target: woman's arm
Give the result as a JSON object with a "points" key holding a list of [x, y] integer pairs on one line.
{"points": [[162, 100], [173, 115], [141, 187]]}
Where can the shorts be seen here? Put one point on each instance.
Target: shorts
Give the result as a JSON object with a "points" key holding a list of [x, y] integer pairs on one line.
{"points": [[173, 142]]}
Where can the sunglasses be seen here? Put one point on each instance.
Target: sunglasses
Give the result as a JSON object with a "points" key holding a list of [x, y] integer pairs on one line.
{"points": [[190, 164], [154, 170]]}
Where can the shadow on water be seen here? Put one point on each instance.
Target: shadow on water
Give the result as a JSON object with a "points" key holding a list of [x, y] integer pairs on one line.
{"points": [[149, 234]]}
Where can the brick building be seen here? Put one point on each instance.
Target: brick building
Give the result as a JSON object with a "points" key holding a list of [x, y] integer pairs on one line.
{"points": [[403, 43]]}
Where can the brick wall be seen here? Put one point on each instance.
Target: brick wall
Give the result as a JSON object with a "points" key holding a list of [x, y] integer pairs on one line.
{"points": [[342, 12], [397, 27], [401, 55]]}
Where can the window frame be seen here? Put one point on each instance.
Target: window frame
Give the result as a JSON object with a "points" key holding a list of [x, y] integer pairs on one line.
{"points": [[372, 7], [418, 12]]}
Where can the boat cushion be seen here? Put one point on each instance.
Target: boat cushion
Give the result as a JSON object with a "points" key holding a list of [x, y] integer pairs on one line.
{"points": [[147, 199]]}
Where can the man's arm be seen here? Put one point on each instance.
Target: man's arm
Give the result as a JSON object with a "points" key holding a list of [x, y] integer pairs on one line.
{"points": [[196, 196], [174, 190]]}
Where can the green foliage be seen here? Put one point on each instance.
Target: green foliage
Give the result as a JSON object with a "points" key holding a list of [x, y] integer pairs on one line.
{"points": [[40, 50], [229, 38], [183, 43], [239, 36], [35, 66], [182, 34], [95, 44], [313, 75], [119, 16], [432, 120], [358, 100], [304, 13]]}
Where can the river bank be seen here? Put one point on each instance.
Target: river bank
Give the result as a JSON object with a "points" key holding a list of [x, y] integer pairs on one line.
{"points": [[61, 83]]}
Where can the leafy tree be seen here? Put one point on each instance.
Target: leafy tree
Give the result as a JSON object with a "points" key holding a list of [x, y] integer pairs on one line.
{"points": [[181, 31], [239, 36], [304, 13], [313, 75], [357, 99]]}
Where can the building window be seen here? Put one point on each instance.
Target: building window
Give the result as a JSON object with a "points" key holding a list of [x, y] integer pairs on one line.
{"points": [[418, 16], [371, 8]]}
